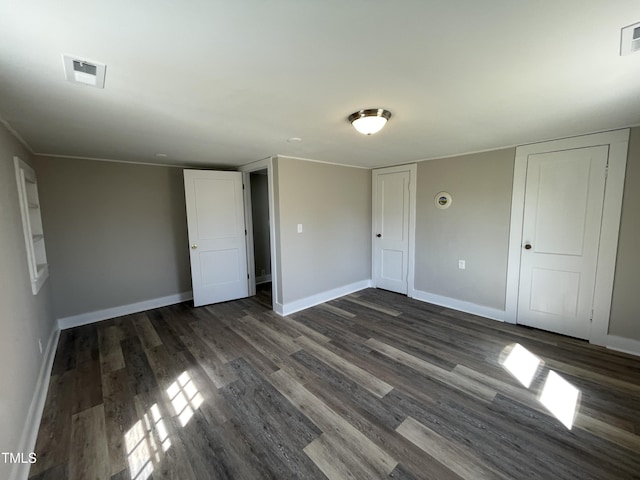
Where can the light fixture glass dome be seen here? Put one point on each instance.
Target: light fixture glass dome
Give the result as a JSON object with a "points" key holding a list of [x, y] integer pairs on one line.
{"points": [[369, 121]]}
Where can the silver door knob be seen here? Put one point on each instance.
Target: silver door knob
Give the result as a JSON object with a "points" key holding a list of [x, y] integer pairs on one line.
{"points": [[194, 246]]}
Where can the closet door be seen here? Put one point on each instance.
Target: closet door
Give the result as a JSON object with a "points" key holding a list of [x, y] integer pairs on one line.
{"points": [[392, 227], [561, 232]]}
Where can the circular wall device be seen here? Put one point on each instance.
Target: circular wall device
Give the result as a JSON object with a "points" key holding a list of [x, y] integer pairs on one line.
{"points": [[443, 200]]}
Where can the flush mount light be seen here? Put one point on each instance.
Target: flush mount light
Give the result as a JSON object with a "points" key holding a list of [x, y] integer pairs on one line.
{"points": [[369, 121]]}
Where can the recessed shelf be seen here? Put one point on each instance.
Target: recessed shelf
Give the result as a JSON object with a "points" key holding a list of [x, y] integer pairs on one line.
{"points": [[32, 222]]}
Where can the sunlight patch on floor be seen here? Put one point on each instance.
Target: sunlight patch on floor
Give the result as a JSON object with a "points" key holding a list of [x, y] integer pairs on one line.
{"points": [[185, 397], [561, 398], [522, 364], [558, 396], [145, 442]]}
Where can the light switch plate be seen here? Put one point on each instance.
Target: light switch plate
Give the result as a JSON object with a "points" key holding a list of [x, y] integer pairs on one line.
{"points": [[462, 264], [299, 228]]}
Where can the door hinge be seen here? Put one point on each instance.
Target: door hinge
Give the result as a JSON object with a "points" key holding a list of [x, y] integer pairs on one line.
{"points": [[248, 276], [606, 171], [243, 186], [245, 231]]}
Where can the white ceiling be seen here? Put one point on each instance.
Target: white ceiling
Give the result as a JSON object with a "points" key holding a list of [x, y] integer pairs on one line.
{"points": [[227, 82]]}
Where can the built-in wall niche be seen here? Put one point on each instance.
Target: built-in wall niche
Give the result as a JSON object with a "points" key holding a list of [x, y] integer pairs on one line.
{"points": [[32, 224]]}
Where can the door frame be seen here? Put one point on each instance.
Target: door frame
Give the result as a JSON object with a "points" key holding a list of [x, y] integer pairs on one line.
{"points": [[617, 141], [411, 260], [264, 164]]}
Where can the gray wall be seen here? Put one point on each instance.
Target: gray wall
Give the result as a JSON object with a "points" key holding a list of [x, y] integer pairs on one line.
{"points": [[625, 308], [333, 204], [277, 268], [24, 317], [475, 228], [116, 233], [260, 217]]}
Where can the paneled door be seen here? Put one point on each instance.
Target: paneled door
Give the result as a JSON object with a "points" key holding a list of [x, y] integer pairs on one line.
{"points": [[217, 244], [561, 231], [391, 227]]}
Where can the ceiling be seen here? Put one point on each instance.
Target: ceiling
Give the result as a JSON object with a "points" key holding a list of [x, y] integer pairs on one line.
{"points": [[224, 83]]}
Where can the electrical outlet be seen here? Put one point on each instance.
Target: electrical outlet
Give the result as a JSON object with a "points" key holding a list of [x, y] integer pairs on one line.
{"points": [[462, 264], [40, 346]]}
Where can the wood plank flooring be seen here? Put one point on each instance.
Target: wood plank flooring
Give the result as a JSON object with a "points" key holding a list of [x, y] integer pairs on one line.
{"points": [[371, 385]]}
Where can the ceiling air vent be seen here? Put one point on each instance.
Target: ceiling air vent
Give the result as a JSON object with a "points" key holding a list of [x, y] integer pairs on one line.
{"points": [[87, 72], [630, 41]]}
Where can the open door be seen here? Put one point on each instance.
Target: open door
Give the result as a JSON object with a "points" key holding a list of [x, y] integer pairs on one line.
{"points": [[215, 222]]}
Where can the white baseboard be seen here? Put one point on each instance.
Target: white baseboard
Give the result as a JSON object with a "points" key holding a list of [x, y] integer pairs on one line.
{"points": [[308, 302], [29, 435], [460, 305], [99, 315], [263, 279], [621, 344]]}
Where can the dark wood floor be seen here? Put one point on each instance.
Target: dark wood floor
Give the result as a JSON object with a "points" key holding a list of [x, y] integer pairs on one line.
{"points": [[372, 385]]}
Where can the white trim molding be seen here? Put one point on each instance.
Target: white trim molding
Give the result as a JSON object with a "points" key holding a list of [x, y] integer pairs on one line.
{"points": [[27, 442], [322, 297], [625, 345], [617, 141], [107, 313], [460, 305]]}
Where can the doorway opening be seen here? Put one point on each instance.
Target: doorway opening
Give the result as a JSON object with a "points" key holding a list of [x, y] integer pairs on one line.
{"points": [[261, 228]]}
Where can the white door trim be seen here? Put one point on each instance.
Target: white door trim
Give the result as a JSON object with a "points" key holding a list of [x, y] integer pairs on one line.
{"points": [[413, 171], [248, 216], [617, 140], [267, 164]]}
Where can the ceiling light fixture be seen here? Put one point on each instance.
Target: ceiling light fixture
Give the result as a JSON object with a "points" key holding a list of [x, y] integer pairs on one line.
{"points": [[369, 121]]}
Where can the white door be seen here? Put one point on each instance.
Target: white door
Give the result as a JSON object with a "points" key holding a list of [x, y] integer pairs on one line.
{"points": [[561, 231], [215, 221], [391, 217]]}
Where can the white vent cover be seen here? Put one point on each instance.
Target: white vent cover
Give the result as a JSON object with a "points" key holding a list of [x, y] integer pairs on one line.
{"points": [[80, 70], [630, 41]]}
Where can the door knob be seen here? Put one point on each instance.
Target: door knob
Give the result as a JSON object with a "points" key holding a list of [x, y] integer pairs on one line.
{"points": [[194, 246], [379, 235], [527, 247]]}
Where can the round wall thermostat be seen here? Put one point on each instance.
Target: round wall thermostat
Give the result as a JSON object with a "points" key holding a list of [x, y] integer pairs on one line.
{"points": [[443, 200]]}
